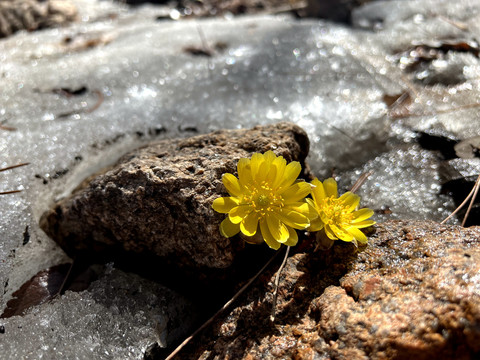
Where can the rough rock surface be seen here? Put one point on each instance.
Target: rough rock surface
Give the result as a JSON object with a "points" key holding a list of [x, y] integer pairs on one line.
{"points": [[34, 14], [412, 293], [157, 200]]}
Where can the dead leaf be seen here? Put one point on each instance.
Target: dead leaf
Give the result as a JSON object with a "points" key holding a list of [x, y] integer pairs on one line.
{"points": [[39, 289]]}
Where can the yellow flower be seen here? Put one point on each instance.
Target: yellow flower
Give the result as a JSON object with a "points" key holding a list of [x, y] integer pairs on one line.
{"points": [[266, 199], [338, 216]]}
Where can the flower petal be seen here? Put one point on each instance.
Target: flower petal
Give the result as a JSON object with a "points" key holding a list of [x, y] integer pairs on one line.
{"points": [[293, 218], [262, 171], [249, 224], [296, 192], [330, 186], [229, 229], [318, 191], [267, 236], [269, 157], [303, 207], [323, 216], [237, 214], [278, 230], [256, 239], [291, 174], [329, 232], [244, 172], [255, 162], [316, 225], [293, 238], [272, 174], [224, 204], [358, 235], [350, 200], [232, 185], [280, 164], [341, 233], [363, 224], [362, 214]]}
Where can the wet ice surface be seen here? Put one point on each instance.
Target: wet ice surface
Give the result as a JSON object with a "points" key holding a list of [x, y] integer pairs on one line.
{"points": [[135, 82], [405, 185], [109, 321], [272, 69]]}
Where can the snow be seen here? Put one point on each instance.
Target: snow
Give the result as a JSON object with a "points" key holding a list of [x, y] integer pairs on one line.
{"points": [[140, 83]]}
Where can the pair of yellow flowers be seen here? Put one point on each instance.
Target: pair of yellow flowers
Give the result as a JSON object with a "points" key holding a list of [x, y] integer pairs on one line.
{"points": [[267, 203]]}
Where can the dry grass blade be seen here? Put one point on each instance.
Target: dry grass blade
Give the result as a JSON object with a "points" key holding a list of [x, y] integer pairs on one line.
{"points": [[9, 168], [473, 193], [459, 25], [13, 167], [100, 99], [277, 280], [222, 309], [7, 128], [64, 282], [360, 181], [438, 112], [10, 192], [475, 187]]}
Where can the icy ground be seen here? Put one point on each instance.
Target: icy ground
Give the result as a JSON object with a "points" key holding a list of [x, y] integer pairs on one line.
{"points": [[81, 96]]}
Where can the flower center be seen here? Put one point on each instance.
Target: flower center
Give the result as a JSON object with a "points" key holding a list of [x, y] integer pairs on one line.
{"points": [[336, 212], [263, 198]]}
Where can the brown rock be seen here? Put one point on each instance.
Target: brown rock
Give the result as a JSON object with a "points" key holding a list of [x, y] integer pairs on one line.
{"points": [[157, 200], [34, 14], [412, 293]]}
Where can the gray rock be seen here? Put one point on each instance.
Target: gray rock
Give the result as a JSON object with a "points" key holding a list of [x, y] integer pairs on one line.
{"points": [[412, 293], [157, 200]]}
